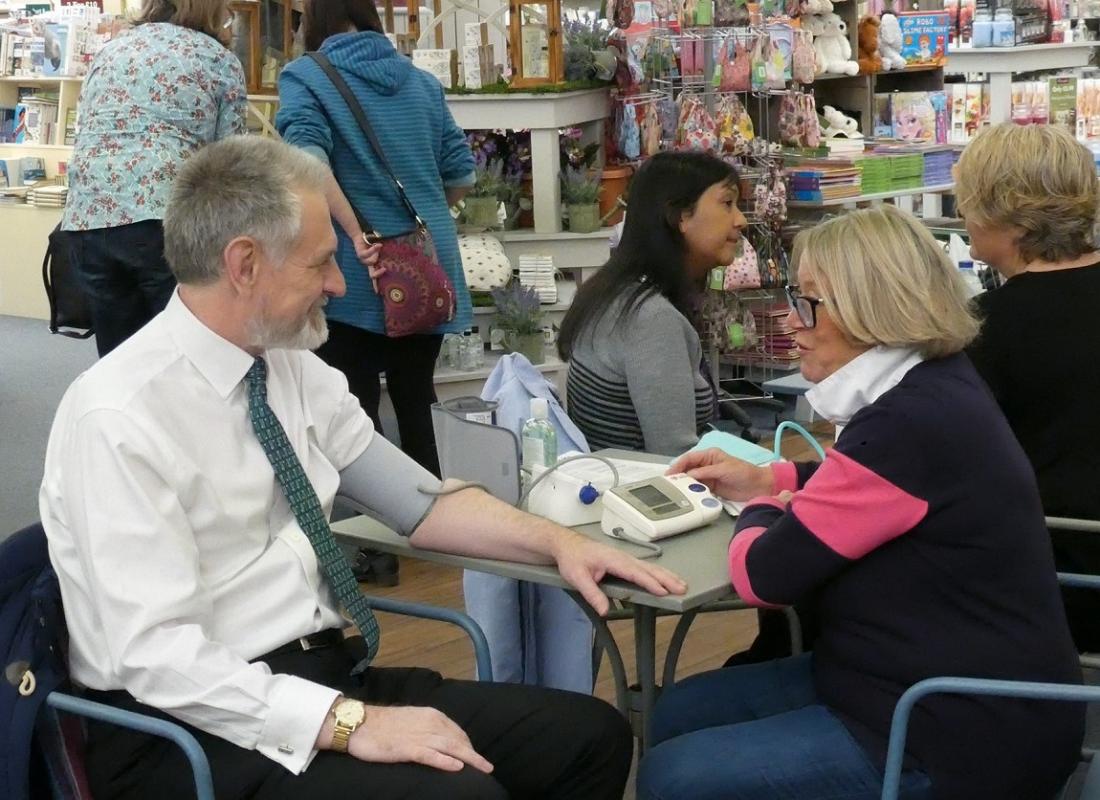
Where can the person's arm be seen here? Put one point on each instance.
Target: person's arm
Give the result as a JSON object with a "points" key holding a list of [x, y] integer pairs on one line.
{"points": [[232, 100], [139, 557], [456, 162], [733, 479], [782, 551], [660, 375]]}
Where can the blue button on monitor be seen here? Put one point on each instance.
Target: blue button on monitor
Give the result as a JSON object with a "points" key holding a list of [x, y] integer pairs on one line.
{"points": [[710, 502], [697, 487]]}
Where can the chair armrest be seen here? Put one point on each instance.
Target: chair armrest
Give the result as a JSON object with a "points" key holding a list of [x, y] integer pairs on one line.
{"points": [[1073, 524], [204, 783], [895, 753], [464, 621]]}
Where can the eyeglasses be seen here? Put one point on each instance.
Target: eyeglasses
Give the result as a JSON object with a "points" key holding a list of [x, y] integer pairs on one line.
{"points": [[805, 307]]}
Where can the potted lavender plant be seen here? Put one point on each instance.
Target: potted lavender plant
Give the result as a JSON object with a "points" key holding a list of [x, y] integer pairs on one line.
{"points": [[519, 315], [481, 205], [580, 193]]}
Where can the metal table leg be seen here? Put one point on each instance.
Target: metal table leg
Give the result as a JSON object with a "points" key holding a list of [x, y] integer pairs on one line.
{"points": [[645, 656], [614, 655]]}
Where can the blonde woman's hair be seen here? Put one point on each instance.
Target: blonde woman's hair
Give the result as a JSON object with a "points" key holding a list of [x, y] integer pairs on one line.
{"points": [[886, 281], [1037, 178], [204, 16]]}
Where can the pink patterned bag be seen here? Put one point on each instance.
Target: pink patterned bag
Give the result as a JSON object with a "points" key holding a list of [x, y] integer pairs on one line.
{"points": [[744, 272]]}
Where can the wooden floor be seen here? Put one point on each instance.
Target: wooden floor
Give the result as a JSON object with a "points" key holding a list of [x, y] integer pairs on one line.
{"points": [[409, 642]]}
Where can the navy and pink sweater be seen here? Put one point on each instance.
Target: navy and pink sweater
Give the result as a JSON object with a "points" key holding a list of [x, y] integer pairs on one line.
{"points": [[921, 539]]}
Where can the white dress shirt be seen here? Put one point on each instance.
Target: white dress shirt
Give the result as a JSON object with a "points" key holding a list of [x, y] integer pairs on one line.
{"points": [[178, 556], [860, 382]]}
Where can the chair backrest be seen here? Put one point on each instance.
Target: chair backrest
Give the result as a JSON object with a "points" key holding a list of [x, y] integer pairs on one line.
{"points": [[33, 642]]}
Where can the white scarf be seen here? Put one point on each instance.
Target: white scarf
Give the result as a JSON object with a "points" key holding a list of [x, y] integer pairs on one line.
{"points": [[860, 382]]}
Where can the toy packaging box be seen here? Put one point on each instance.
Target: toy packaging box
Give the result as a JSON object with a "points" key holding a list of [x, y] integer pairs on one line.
{"points": [[912, 116], [924, 37]]}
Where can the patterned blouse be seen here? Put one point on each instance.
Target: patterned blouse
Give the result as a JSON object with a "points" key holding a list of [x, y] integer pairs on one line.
{"points": [[151, 98]]}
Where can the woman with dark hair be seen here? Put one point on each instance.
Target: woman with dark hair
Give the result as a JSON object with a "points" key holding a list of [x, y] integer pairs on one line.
{"points": [[428, 153], [150, 99], [636, 378]]}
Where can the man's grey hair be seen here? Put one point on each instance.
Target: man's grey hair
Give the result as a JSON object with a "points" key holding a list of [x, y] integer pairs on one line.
{"points": [[240, 186]]}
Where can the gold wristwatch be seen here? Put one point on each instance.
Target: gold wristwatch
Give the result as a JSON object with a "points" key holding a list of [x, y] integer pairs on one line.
{"points": [[349, 716]]}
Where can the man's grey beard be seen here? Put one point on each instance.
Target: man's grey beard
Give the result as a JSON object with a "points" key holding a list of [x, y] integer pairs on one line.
{"points": [[309, 336]]}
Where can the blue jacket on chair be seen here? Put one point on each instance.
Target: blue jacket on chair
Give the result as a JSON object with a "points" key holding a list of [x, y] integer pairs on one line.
{"points": [[32, 632], [537, 634]]}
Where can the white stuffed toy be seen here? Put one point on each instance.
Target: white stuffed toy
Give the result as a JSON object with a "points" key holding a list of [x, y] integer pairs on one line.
{"points": [[816, 7], [834, 51], [889, 43], [839, 124]]}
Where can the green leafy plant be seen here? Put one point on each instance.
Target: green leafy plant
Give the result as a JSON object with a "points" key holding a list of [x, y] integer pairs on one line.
{"points": [[579, 187], [518, 308], [488, 179]]}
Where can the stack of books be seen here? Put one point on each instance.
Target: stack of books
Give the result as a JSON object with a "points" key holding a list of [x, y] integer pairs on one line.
{"points": [[537, 272], [50, 196], [819, 180], [776, 336], [937, 166], [875, 175], [844, 147]]}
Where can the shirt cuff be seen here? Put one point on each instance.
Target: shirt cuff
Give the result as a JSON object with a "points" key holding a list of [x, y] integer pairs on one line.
{"points": [[785, 475], [466, 180], [298, 709]]}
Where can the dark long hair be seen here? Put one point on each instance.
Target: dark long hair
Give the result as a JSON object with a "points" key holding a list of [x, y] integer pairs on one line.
{"points": [[324, 18], [651, 252]]}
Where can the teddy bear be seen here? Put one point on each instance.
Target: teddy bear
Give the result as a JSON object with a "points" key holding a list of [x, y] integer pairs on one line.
{"points": [[816, 7], [834, 51], [869, 59], [838, 124], [889, 43]]}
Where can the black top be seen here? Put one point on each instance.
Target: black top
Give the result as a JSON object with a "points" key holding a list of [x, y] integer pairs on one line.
{"points": [[921, 536], [1038, 354]]}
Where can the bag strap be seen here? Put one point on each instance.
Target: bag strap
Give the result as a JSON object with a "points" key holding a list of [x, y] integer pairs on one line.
{"points": [[357, 111]]}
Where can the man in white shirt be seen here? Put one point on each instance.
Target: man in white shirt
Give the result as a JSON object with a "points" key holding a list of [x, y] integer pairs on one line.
{"points": [[193, 587]]}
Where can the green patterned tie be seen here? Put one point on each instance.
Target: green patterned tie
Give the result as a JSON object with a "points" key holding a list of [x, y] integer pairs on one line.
{"points": [[307, 508]]}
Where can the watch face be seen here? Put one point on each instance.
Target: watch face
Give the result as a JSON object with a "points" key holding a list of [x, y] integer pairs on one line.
{"points": [[350, 712]]}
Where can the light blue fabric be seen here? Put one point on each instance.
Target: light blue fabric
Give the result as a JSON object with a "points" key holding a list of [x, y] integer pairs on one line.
{"points": [[427, 150], [537, 634]]}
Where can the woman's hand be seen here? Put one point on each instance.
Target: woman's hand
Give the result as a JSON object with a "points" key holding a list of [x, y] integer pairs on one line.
{"points": [[368, 254], [725, 475]]}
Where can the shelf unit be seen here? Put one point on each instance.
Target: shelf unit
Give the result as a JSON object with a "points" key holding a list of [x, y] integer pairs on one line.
{"points": [[55, 151], [851, 202], [1001, 63]]}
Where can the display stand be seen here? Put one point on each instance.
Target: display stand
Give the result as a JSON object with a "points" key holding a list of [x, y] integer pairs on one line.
{"points": [[1001, 63]]}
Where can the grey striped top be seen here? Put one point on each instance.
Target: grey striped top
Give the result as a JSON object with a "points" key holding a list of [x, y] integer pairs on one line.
{"points": [[638, 385]]}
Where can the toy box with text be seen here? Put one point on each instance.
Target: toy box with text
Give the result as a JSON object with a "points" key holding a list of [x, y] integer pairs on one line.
{"points": [[924, 38]]}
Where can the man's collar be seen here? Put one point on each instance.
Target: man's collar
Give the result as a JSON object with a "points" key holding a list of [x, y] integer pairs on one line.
{"points": [[221, 362]]}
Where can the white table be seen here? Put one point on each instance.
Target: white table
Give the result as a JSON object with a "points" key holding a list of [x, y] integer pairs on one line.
{"points": [[699, 557]]}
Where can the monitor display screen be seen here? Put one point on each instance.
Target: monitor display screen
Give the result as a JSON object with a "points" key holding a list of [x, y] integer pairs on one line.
{"points": [[650, 495]]}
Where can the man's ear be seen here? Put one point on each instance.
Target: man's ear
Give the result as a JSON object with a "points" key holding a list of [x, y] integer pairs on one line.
{"points": [[242, 263]]}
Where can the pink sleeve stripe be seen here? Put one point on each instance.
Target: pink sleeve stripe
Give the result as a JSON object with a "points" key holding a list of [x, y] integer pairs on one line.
{"points": [[764, 500], [785, 475], [739, 573], [852, 509]]}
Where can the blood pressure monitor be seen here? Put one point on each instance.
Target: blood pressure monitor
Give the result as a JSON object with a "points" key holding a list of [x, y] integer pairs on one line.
{"points": [[657, 507]]}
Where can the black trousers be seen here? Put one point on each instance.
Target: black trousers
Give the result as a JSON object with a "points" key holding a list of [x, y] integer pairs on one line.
{"points": [[543, 743], [126, 277], [409, 365]]}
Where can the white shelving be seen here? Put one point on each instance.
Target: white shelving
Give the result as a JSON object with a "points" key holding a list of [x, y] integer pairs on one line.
{"points": [[1001, 63], [543, 114]]}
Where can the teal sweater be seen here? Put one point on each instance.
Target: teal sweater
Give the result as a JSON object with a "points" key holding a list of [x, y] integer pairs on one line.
{"points": [[427, 150]]}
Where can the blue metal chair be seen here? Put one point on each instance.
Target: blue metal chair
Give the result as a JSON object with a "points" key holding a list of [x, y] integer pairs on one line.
{"points": [[204, 788], [895, 753]]}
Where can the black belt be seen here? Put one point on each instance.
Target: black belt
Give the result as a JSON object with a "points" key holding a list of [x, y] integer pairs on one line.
{"points": [[315, 641]]}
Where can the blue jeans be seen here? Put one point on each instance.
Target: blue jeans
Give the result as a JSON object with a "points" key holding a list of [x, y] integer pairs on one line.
{"points": [[756, 732], [126, 277]]}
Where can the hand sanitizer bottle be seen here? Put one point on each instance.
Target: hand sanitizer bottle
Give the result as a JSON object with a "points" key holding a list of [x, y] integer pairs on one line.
{"points": [[538, 439]]}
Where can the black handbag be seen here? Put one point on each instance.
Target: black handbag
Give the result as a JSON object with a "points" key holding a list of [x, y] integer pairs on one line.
{"points": [[69, 311]]}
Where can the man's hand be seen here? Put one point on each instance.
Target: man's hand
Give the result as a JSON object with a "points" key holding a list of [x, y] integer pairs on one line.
{"points": [[584, 563], [398, 734], [725, 475]]}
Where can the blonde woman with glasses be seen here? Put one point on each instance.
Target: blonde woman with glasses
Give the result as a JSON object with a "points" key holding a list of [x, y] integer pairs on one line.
{"points": [[1029, 196], [920, 539]]}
